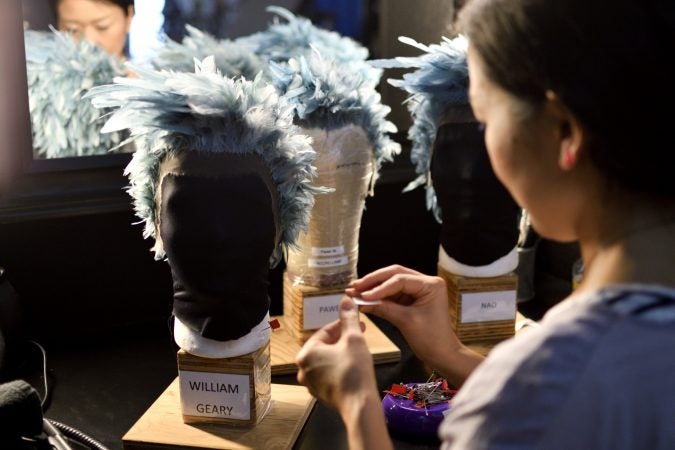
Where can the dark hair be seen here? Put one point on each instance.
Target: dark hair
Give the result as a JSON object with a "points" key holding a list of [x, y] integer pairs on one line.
{"points": [[608, 62], [124, 4]]}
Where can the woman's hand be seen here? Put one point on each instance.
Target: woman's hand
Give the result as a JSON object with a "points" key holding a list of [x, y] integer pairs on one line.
{"points": [[335, 362], [337, 368], [417, 305]]}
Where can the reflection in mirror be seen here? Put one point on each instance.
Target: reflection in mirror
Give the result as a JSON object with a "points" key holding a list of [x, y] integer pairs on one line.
{"points": [[73, 45], [59, 72], [87, 50]]}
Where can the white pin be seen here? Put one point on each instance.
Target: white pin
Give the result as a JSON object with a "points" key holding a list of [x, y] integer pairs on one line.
{"points": [[361, 302]]}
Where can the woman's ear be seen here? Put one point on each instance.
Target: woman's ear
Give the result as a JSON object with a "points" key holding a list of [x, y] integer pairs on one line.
{"points": [[570, 133]]}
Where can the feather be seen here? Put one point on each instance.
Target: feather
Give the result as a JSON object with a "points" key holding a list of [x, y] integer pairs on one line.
{"points": [[59, 72], [232, 58], [298, 36], [325, 95], [440, 80], [169, 112]]}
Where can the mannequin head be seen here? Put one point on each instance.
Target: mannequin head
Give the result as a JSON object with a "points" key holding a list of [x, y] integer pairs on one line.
{"points": [[478, 216], [221, 177], [218, 225], [343, 115]]}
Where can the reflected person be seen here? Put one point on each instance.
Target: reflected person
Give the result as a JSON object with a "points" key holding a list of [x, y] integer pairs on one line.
{"points": [[106, 23], [60, 70]]}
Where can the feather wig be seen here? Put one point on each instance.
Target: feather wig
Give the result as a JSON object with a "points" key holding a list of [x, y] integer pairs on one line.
{"points": [[441, 80], [298, 36], [324, 95], [170, 112], [60, 71], [232, 58]]}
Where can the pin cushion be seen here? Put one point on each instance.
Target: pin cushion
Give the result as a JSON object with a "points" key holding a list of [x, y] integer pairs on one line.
{"points": [[417, 409]]}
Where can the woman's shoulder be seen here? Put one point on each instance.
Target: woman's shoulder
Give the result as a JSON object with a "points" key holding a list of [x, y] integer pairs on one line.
{"points": [[641, 302], [572, 368], [597, 326]]}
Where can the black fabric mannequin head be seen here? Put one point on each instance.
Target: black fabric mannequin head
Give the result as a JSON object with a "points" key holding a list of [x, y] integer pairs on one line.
{"points": [[480, 218], [218, 227]]}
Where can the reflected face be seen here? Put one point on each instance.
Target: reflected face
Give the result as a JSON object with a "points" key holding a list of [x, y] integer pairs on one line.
{"points": [[101, 22], [523, 145]]}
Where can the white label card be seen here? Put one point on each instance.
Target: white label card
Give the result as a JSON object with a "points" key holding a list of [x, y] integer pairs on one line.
{"points": [[488, 306], [328, 251], [319, 310], [211, 394], [317, 263]]}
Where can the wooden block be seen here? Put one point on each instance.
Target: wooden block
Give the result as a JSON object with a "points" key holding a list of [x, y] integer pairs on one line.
{"points": [[233, 391], [308, 308], [162, 426], [481, 309], [284, 346]]}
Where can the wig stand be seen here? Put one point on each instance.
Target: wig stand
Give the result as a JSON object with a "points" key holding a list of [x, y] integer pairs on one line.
{"points": [[482, 300], [235, 391], [162, 424], [324, 263]]}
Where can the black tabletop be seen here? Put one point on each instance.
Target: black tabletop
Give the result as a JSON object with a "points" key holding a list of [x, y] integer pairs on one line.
{"points": [[100, 385]]}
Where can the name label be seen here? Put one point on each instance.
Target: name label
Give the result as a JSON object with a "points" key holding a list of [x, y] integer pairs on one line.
{"points": [[317, 263], [488, 306], [328, 251], [319, 310], [211, 394]]}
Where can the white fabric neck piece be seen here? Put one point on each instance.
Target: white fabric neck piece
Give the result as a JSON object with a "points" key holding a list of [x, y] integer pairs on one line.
{"points": [[195, 344], [501, 266]]}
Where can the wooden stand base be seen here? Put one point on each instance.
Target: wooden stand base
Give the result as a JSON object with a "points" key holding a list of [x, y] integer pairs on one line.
{"points": [[285, 345], [162, 425], [482, 310], [233, 391]]}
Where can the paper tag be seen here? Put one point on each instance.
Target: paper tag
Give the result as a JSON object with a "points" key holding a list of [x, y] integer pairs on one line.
{"points": [[488, 306], [358, 301], [315, 263], [210, 394], [328, 251], [319, 310]]}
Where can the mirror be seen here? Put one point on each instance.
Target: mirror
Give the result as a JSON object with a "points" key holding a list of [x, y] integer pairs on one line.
{"points": [[33, 188], [63, 127]]}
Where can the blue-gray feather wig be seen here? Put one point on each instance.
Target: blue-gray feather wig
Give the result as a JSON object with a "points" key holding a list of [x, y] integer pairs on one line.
{"points": [[170, 112], [298, 36], [233, 58], [325, 95], [441, 80], [60, 71]]}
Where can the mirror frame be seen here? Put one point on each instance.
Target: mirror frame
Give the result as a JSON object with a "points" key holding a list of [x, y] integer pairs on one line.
{"points": [[45, 188]]}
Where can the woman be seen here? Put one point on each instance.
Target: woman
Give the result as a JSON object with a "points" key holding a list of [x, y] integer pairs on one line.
{"points": [[103, 22], [60, 71], [568, 92]]}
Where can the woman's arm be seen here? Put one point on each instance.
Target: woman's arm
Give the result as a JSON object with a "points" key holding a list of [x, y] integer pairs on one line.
{"points": [[364, 419], [337, 368]]}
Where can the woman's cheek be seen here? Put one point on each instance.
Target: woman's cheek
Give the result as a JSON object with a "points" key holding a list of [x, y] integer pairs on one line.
{"points": [[495, 153]]}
